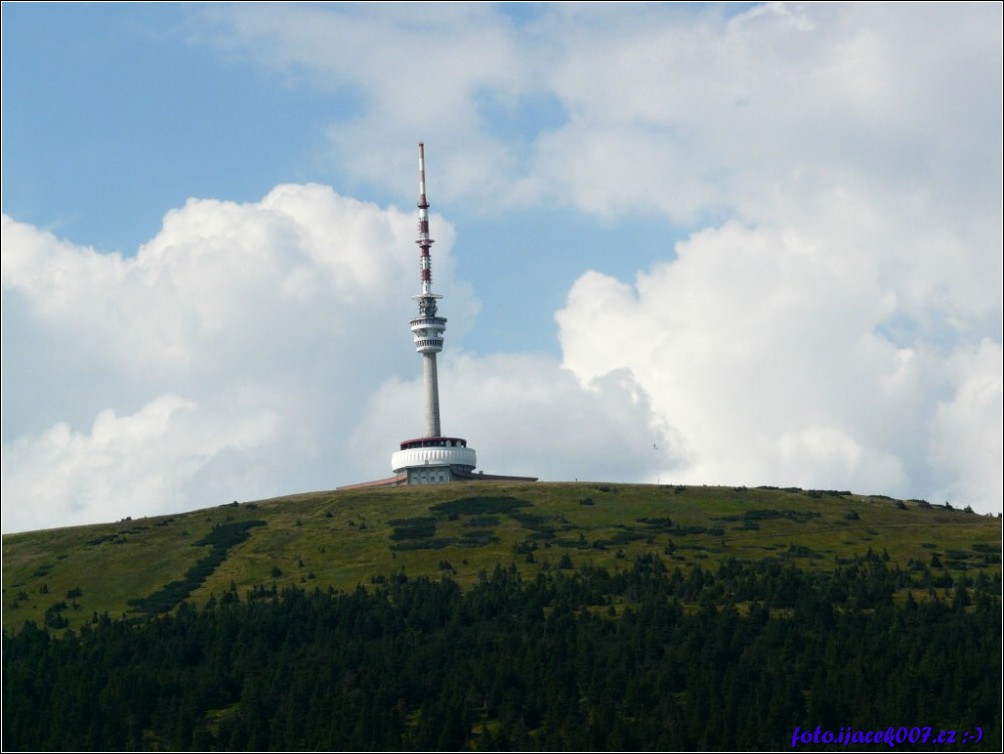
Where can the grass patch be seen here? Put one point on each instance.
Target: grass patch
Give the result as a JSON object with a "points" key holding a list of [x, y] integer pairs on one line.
{"points": [[663, 524], [768, 514], [473, 506], [477, 538], [413, 528], [221, 538], [801, 551], [437, 543]]}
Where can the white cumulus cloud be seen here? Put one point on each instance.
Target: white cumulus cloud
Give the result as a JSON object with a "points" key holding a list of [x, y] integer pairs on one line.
{"points": [[764, 350], [164, 457], [228, 358], [525, 415]]}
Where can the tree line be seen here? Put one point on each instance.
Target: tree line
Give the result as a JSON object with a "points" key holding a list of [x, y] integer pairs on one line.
{"points": [[646, 658]]}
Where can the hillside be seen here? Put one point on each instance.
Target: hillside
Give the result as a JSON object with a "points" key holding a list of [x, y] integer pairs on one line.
{"points": [[63, 577], [493, 616]]}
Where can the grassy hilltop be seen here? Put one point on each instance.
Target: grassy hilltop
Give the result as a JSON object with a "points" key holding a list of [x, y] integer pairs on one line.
{"points": [[62, 577]]}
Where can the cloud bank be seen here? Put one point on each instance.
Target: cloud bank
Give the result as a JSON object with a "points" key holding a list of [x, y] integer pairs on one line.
{"points": [[253, 350], [767, 357], [223, 360], [831, 317]]}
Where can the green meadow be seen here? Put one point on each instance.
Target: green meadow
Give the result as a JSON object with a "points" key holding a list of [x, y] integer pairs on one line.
{"points": [[344, 539]]}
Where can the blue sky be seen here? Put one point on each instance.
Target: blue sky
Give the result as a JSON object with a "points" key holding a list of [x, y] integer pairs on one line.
{"points": [[166, 116], [735, 244]]}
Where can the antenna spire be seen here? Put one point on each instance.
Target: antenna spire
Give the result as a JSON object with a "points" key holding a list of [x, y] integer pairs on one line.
{"points": [[424, 241]]}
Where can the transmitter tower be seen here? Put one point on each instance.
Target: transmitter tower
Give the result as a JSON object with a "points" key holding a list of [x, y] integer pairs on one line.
{"points": [[431, 458]]}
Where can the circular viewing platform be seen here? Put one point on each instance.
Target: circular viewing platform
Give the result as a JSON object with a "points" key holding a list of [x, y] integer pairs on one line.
{"points": [[434, 451]]}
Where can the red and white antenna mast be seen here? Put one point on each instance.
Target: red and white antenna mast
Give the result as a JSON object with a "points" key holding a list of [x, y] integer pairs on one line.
{"points": [[424, 242]]}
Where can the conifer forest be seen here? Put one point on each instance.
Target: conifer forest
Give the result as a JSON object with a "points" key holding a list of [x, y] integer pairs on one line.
{"points": [[647, 658]]}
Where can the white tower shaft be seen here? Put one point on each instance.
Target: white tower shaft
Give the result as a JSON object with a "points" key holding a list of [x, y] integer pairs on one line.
{"points": [[431, 374]]}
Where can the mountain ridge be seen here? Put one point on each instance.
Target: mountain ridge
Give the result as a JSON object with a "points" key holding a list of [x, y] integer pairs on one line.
{"points": [[65, 578]]}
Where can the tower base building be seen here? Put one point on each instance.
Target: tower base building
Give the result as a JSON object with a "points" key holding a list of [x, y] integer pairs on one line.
{"points": [[436, 460], [432, 460]]}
